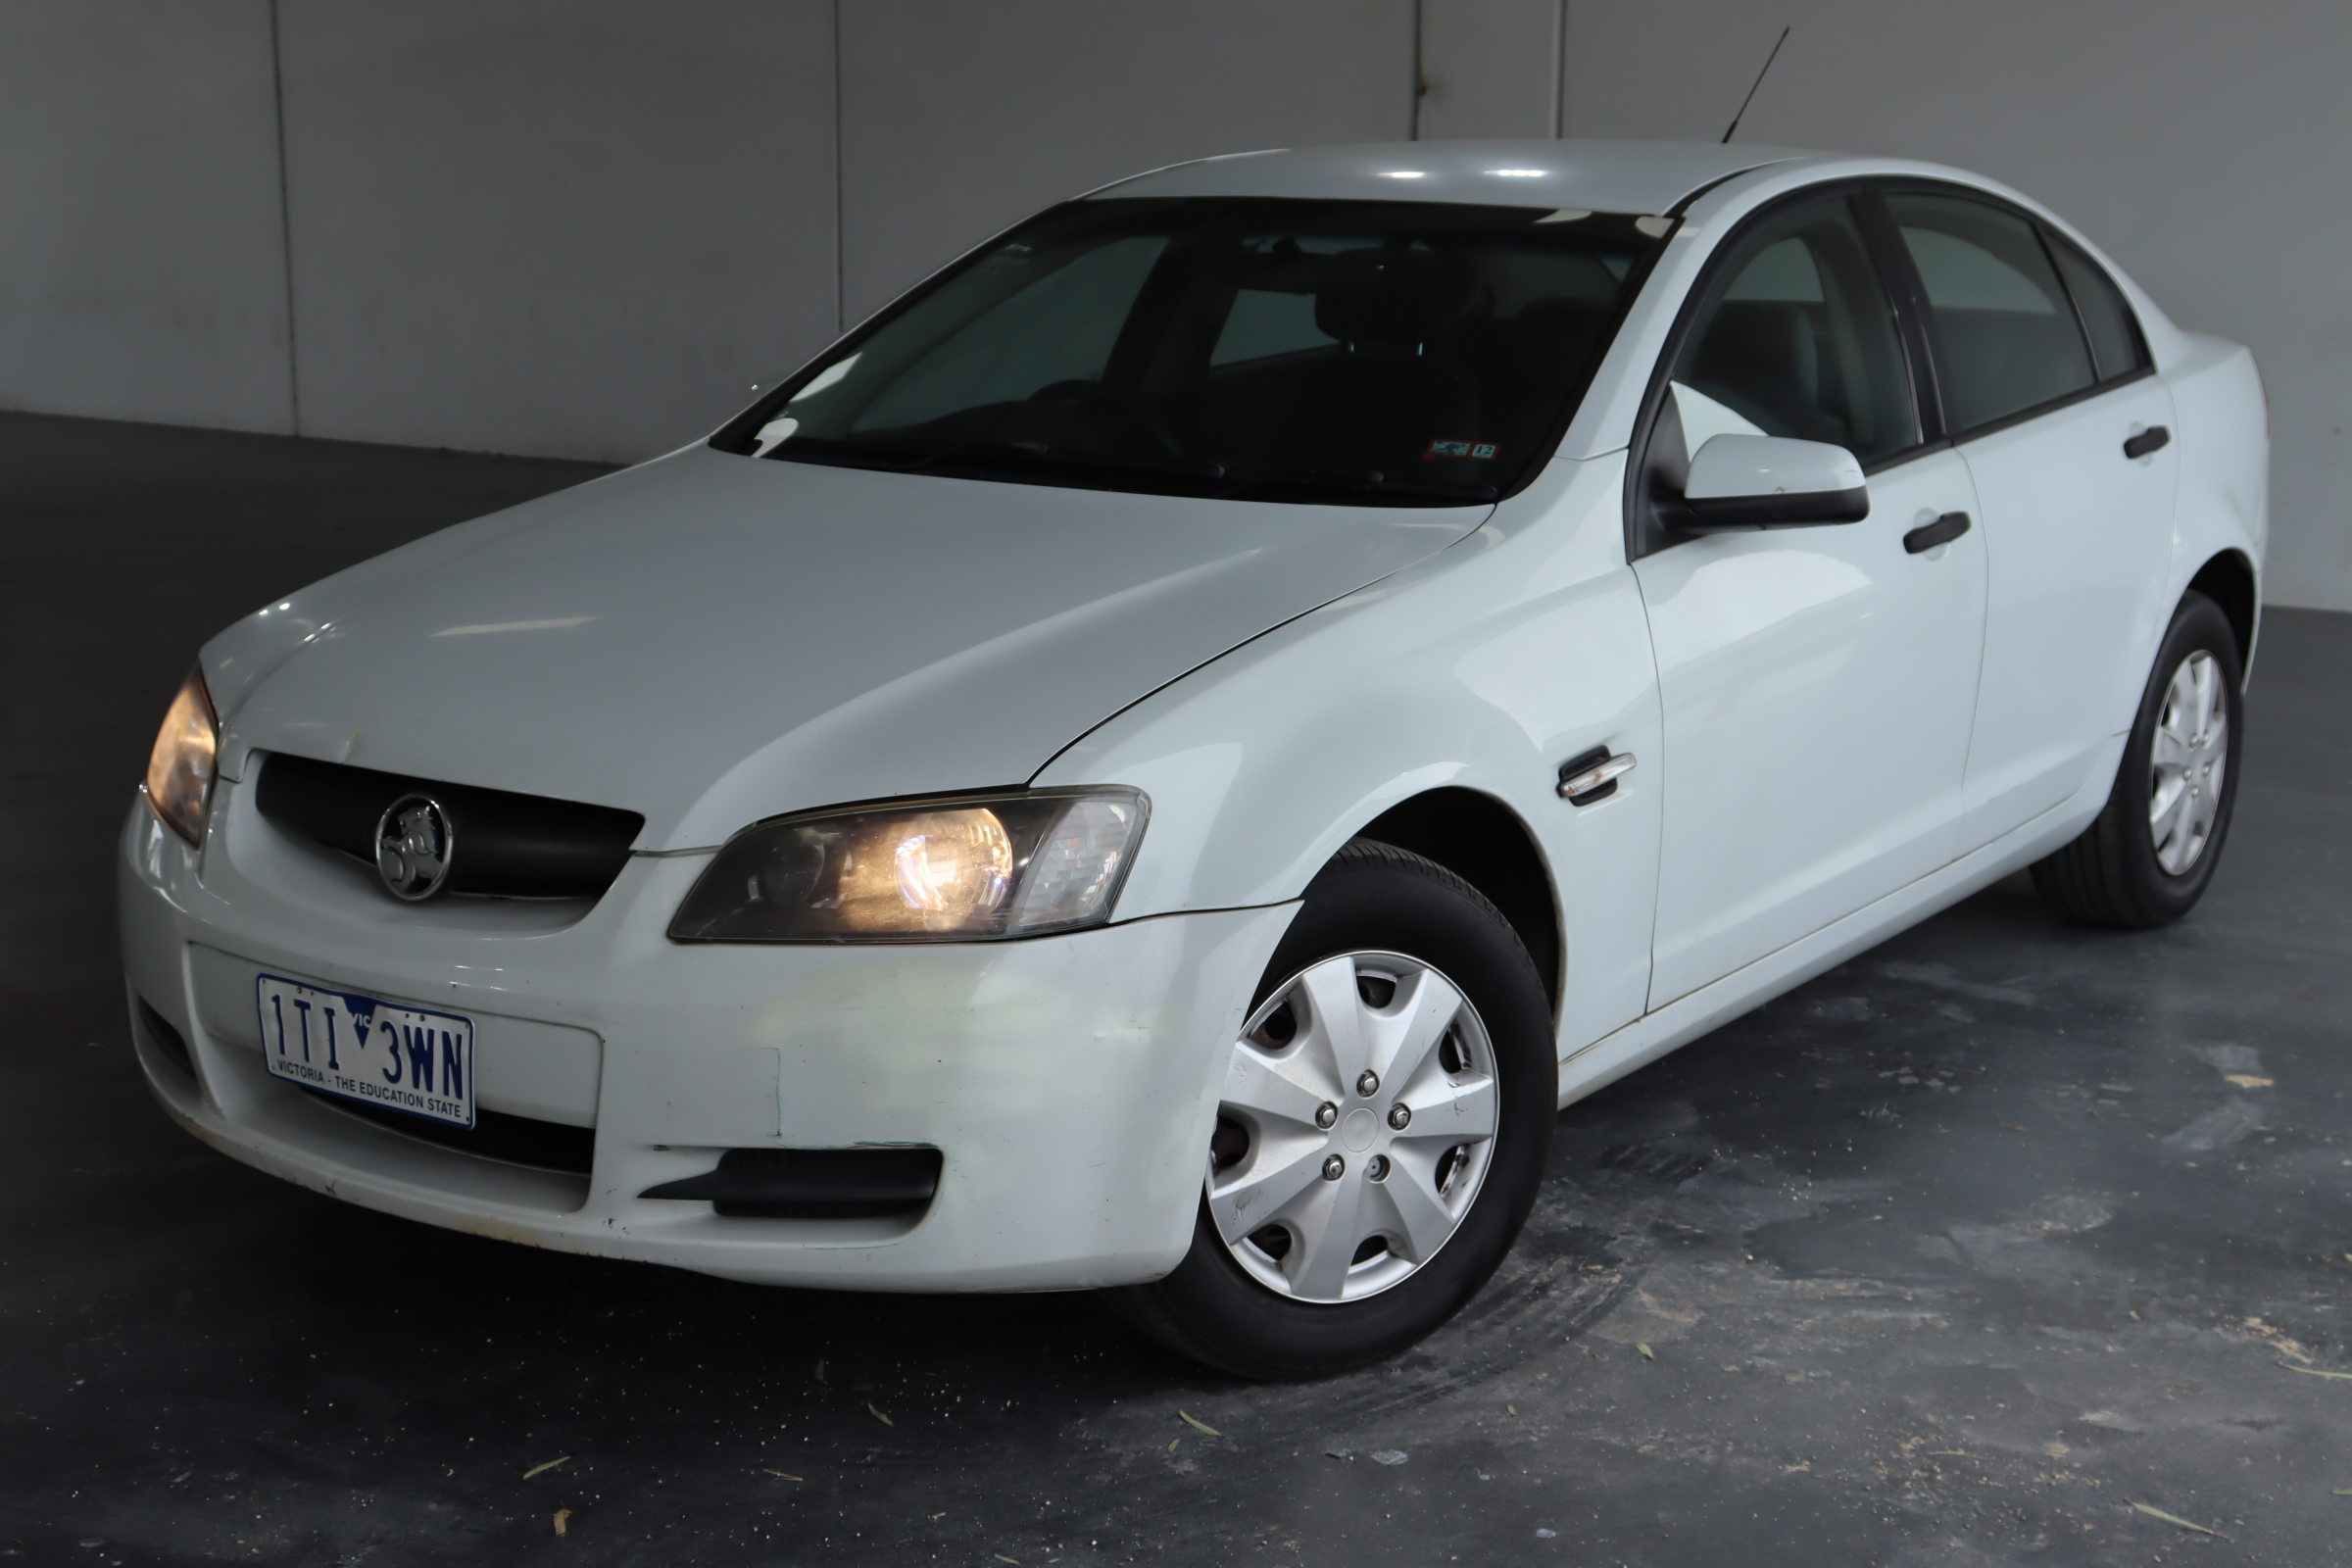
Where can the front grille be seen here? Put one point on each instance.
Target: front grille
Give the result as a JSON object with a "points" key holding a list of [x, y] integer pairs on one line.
{"points": [[494, 1135], [814, 1183], [507, 845]]}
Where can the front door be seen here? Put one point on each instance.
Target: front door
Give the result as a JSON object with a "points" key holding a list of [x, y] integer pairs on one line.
{"points": [[1817, 683]]}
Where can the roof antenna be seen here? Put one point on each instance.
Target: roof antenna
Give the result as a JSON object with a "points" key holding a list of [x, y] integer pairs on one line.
{"points": [[1759, 81]]}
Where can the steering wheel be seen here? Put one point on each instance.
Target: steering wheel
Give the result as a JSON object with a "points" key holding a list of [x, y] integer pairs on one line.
{"points": [[1127, 409]]}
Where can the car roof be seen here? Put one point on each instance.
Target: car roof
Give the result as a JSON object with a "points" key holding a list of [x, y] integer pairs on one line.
{"points": [[1602, 177]]}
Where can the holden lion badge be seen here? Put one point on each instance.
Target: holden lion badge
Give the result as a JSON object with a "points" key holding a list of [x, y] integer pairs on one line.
{"points": [[413, 842]]}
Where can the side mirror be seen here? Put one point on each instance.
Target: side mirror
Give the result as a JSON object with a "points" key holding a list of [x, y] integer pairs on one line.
{"points": [[1769, 481]]}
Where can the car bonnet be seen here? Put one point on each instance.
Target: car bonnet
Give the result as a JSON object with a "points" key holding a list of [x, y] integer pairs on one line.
{"points": [[710, 640]]}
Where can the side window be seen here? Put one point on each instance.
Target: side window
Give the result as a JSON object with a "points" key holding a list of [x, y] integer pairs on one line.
{"points": [[2115, 339], [2010, 338], [1797, 338]]}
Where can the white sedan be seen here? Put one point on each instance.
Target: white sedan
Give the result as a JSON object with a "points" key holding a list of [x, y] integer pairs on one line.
{"points": [[1162, 760]]}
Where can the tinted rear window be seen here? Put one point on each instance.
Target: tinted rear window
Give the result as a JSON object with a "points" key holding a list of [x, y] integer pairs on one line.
{"points": [[2115, 339], [2010, 338]]}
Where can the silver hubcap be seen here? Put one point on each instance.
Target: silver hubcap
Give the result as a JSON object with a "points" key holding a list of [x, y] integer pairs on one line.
{"points": [[1325, 1207], [2187, 764]]}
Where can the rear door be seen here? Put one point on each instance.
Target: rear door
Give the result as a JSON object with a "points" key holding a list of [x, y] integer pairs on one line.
{"points": [[2044, 378], [1817, 682]]}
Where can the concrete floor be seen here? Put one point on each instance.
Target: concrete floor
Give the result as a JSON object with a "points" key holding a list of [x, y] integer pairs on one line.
{"points": [[1949, 1259]]}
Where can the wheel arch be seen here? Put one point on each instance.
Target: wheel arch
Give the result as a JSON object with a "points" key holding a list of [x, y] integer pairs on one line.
{"points": [[1483, 841], [2228, 579]]}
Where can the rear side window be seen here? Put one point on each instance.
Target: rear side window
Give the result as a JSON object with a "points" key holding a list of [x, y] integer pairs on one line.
{"points": [[2114, 333], [2010, 338]]}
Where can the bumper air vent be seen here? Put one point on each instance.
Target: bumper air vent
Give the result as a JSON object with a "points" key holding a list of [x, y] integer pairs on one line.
{"points": [[494, 1135], [507, 845], [814, 1183], [166, 1038]]}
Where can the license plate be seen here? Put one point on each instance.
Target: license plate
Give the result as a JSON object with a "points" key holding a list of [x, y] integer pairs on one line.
{"points": [[403, 1059]]}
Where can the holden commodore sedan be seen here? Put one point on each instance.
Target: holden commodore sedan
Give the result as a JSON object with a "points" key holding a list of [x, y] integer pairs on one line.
{"points": [[1162, 760]]}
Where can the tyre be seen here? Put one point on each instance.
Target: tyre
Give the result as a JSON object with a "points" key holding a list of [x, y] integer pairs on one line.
{"points": [[2146, 860], [1381, 1134]]}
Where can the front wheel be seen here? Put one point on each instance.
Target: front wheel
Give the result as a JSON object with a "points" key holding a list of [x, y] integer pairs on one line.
{"points": [[2146, 860], [1381, 1132]]}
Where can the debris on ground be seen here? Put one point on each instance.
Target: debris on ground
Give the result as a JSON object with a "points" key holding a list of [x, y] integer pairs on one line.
{"points": [[2176, 1519], [1388, 1456], [1198, 1425], [1647, 1355], [878, 1415], [786, 1476], [550, 1465], [563, 1520], [2317, 1372], [820, 1372]]}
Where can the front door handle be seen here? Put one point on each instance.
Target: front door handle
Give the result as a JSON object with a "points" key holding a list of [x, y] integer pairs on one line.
{"points": [[1942, 531], [2153, 439]]}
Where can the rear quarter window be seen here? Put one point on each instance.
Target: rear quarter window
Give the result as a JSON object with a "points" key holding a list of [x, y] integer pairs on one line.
{"points": [[2115, 336]]}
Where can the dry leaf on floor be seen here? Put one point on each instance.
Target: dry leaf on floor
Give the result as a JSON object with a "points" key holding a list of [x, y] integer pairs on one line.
{"points": [[1647, 1355], [821, 1373], [782, 1473], [550, 1465], [1198, 1425], [563, 1520], [878, 1415], [2176, 1519]]}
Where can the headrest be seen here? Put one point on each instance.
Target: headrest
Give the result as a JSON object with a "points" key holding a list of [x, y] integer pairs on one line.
{"points": [[1380, 296]]}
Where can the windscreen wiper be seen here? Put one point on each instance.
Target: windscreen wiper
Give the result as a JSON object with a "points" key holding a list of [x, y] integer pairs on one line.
{"points": [[1357, 480], [1059, 457]]}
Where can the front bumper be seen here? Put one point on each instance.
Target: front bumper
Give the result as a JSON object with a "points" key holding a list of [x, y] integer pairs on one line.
{"points": [[1069, 1081]]}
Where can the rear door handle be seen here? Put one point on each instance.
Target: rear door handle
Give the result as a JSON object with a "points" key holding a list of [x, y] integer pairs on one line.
{"points": [[1942, 531], [2154, 438]]}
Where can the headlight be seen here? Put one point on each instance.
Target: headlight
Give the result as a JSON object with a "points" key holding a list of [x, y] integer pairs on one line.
{"points": [[947, 870], [179, 770]]}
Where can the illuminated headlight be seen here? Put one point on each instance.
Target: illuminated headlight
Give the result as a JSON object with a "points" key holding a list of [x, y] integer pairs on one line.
{"points": [[179, 770], [947, 870]]}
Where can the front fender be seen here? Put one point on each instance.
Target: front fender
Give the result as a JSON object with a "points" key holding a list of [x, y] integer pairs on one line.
{"points": [[1483, 667]]}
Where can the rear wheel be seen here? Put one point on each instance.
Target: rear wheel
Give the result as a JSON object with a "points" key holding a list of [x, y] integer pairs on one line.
{"points": [[1381, 1133], [2147, 859]]}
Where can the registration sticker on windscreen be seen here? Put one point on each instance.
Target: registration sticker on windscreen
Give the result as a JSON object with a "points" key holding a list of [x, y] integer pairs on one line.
{"points": [[403, 1059]]}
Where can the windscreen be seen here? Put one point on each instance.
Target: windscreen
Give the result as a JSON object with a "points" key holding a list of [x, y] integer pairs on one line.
{"points": [[1372, 353]]}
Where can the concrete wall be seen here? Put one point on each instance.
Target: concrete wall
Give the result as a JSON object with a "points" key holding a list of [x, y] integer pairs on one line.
{"points": [[958, 120], [142, 260], [585, 227], [578, 232]]}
